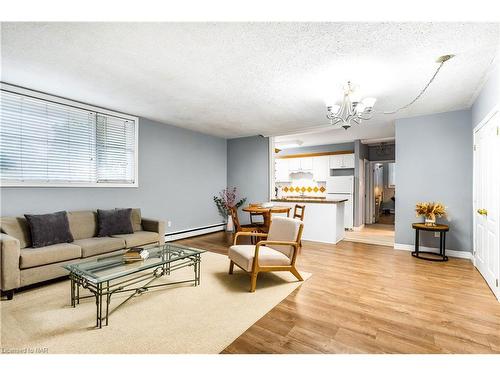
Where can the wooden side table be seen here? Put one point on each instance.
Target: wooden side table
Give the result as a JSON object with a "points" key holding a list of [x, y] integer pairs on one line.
{"points": [[442, 229]]}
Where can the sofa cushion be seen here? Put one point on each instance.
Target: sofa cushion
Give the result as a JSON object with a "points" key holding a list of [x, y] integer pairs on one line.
{"points": [[18, 228], [99, 245], [138, 238], [33, 257], [83, 224], [49, 229], [117, 221], [136, 218], [243, 256]]}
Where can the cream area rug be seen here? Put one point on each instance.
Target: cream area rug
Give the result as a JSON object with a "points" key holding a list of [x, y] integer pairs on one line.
{"points": [[173, 319]]}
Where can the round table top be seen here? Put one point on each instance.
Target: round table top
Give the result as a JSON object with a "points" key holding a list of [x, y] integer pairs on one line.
{"points": [[274, 209], [433, 228]]}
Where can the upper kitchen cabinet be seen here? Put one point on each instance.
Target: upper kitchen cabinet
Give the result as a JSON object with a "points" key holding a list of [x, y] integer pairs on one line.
{"points": [[341, 161], [300, 164], [321, 171], [281, 170]]}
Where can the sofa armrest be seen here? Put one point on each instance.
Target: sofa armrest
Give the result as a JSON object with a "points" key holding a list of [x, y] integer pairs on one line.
{"points": [[153, 225], [10, 252]]}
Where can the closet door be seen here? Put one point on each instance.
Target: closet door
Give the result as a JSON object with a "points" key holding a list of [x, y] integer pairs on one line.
{"points": [[487, 202]]}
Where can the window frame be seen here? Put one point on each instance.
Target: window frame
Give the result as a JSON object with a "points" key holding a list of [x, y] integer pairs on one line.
{"points": [[72, 103]]}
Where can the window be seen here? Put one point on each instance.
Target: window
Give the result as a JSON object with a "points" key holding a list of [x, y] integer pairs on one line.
{"points": [[48, 141]]}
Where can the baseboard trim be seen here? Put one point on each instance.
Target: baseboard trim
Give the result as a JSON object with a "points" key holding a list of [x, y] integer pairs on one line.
{"points": [[186, 233], [451, 253]]}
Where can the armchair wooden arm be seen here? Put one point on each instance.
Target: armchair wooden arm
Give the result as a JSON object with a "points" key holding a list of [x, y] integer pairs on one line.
{"points": [[248, 234]]}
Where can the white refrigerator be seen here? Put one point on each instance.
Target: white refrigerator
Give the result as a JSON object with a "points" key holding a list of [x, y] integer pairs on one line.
{"points": [[342, 187]]}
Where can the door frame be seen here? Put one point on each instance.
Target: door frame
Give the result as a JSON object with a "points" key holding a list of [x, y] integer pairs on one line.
{"points": [[370, 197], [483, 122]]}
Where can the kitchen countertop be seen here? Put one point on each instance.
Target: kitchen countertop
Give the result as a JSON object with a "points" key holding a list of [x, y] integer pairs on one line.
{"points": [[306, 200]]}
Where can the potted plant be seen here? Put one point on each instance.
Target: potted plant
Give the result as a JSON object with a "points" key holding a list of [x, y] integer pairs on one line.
{"points": [[430, 210], [227, 199]]}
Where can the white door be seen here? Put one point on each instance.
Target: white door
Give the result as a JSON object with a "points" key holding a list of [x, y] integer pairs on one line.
{"points": [[486, 202]]}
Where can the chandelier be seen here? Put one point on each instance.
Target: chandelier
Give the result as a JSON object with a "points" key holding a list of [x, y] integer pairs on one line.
{"points": [[350, 111]]}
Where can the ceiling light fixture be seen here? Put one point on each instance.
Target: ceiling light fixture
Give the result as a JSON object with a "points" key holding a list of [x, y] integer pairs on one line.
{"points": [[350, 111], [353, 111]]}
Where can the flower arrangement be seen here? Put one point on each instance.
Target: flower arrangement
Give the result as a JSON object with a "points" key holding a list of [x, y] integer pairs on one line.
{"points": [[226, 199], [430, 210]]}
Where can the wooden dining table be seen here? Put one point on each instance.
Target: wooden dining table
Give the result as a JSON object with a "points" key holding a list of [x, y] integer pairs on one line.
{"points": [[256, 210], [273, 209]]}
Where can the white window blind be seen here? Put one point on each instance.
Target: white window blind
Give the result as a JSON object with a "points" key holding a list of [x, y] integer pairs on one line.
{"points": [[47, 143]]}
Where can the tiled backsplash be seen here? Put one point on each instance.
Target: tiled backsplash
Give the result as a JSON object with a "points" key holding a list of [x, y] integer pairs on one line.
{"points": [[311, 189]]}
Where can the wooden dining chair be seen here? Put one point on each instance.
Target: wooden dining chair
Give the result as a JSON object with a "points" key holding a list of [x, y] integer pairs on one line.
{"points": [[249, 228], [298, 211], [256, 215]]}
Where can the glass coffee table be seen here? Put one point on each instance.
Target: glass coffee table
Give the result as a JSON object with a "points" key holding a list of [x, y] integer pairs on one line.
{"points": [[109, 275]]}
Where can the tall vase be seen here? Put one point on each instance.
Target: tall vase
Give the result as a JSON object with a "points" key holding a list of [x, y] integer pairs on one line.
{"points": [[230, 224]]}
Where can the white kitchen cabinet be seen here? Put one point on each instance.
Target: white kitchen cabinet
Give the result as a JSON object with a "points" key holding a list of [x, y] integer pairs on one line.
{"points": [[281, 171], [293, 164], [341, 161], [321, 170], [306, 164]]}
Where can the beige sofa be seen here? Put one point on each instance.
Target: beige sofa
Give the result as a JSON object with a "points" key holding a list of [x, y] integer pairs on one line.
{"points": [[22, 265]]}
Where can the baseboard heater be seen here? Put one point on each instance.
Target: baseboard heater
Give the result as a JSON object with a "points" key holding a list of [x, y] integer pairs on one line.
{"points": [[172, 236]]}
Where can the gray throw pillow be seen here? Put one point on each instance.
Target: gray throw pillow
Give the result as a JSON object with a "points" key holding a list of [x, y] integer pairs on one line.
{"points": [[49, 229], [116, 221]]}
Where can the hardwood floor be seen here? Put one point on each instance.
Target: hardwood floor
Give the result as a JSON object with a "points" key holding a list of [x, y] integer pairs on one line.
{"points": [[376, 234], [372, 299]]}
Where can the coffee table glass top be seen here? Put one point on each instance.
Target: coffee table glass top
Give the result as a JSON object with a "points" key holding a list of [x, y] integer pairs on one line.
{"points": [[108, 268]]}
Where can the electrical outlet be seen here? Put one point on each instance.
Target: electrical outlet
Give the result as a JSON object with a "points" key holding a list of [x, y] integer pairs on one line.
{"points": [[169, 223], [436, 234]]}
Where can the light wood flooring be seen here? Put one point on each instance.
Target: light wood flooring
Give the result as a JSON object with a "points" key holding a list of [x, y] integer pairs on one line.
{"points": [[373, 299], [377, 234]]}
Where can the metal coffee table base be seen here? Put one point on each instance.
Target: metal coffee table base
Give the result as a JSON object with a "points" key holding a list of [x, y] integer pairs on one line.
{"points": [[104, 290]]}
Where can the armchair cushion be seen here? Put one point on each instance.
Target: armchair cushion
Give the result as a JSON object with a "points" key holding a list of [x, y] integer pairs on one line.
{"points": [[284, 229], [243, 256]]}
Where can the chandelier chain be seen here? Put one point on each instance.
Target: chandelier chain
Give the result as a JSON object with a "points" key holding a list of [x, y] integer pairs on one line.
{"points": [[419, 95]]}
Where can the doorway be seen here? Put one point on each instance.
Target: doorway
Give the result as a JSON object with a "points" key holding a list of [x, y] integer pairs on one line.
{"points": [[378, 205]]}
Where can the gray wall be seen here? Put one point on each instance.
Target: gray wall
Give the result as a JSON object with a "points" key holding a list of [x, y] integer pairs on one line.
{"points": [[179, 173], [248, 169], [434, 163], [488, 98]]}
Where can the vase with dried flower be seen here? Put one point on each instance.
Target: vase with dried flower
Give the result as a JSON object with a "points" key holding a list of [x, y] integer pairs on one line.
{"points": [[430, 210], [227, 199]]}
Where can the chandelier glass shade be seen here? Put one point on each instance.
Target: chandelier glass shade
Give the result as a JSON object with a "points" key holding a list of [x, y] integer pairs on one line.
{"points": [[350, 111]]}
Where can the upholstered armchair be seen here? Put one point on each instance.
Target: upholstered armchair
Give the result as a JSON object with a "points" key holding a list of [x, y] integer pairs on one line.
{"points": [[276, 252]]}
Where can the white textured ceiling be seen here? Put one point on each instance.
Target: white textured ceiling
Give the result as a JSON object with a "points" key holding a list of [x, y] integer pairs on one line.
{"points": [[239, 79]]}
